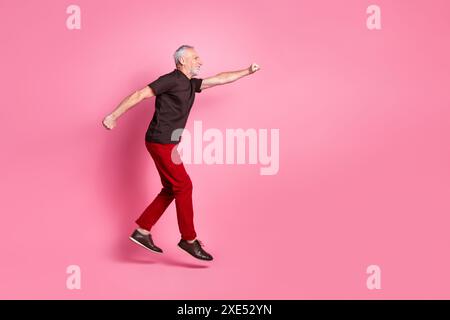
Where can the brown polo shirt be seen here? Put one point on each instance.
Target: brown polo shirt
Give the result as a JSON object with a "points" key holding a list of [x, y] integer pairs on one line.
{"points": [[175, 94]]}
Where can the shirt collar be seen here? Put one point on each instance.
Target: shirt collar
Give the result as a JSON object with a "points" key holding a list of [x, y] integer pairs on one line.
{"points": [[182, 73]]}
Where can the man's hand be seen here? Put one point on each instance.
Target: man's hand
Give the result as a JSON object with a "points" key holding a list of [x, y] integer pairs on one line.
{"points": [[109, 122], [253, 68]]}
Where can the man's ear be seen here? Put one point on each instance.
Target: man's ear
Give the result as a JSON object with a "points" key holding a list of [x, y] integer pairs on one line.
{"points": [[182, 60]]}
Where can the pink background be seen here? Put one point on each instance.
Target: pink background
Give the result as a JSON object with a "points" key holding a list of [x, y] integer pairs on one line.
{"points": [[364, 157]]}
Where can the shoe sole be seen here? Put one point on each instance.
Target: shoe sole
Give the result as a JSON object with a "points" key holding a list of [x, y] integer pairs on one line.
{"points": [[190, 255], [137, 242]]}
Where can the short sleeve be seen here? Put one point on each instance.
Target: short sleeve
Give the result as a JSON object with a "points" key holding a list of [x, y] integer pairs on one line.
{"points": [[162, 84], [197, 84]]}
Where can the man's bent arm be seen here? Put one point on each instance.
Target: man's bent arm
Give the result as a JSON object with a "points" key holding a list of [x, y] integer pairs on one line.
{"points": [[131, 100]]}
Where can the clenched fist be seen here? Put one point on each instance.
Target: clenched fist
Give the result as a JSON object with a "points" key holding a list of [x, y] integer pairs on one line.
{"points": [[109, 122], [253, 68]]}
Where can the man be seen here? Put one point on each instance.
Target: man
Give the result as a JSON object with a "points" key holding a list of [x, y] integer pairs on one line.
{"points": [[175, 94]]}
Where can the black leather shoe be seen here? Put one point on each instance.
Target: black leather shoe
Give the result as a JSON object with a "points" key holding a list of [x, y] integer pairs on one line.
{"points": [[195, 249], [144, 241]]}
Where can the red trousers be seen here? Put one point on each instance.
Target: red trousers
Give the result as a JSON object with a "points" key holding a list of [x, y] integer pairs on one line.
{"points": [[176, 185]]}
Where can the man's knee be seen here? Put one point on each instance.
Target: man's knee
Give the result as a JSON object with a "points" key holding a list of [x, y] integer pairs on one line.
{"points": [[187, 184], [166, 191], [184, 185]]}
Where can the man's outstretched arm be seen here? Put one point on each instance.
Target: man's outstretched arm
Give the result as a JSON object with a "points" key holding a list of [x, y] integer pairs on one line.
{"points": [[227, 77], [109, 121]]}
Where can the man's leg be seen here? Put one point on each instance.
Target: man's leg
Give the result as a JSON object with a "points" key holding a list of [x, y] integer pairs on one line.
{"points": [[155, 210], [174, 175], [183, 203], [182, 188]]}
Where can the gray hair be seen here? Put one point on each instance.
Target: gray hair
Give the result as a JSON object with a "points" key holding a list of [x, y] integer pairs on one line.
{"points": [[180, 52]]}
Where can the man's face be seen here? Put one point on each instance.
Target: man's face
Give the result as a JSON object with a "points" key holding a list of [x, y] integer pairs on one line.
{"points": [[192, 61]]}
